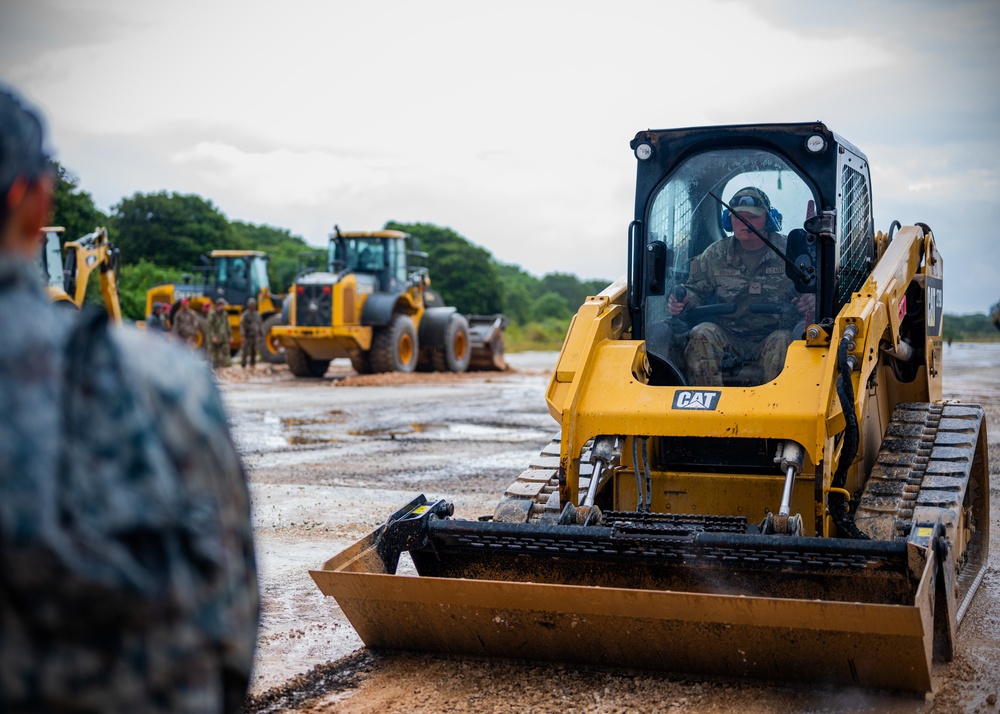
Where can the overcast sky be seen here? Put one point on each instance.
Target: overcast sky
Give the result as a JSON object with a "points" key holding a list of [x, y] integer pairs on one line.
{"points": [[509, 122]]}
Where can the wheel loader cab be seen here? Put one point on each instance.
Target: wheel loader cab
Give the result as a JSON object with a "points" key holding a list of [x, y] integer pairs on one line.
{"points": [[380, 256], [742, 309], [239, 277]]}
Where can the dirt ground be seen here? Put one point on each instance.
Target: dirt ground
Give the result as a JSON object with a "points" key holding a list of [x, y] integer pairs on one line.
{"points": [[330, 459]]}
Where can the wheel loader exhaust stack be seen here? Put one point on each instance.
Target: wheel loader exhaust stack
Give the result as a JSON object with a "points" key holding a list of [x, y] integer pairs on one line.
{"points": [[755, 474]]}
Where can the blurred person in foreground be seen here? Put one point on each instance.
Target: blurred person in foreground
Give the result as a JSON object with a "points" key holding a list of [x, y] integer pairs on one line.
{"points": [[127, 573]]}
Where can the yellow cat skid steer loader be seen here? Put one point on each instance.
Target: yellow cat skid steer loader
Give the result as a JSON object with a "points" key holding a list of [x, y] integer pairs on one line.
{"points": [[828, 523]]}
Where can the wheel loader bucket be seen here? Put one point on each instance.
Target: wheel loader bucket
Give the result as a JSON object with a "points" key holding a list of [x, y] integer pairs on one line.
{"points": [[824, 611], [486, 341]]}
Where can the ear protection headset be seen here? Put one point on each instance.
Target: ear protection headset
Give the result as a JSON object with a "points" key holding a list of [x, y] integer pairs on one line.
{"points": [[773, 224]]}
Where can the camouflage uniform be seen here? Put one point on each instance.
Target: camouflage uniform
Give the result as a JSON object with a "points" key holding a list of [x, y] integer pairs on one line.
{"points": [[127, 574], [743, 337], [251, 329], [154, 321], [219, 337], [185, 324]]}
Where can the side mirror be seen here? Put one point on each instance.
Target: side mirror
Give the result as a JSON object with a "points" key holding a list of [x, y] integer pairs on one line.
{"points": [[801, 250], [659, 259]]}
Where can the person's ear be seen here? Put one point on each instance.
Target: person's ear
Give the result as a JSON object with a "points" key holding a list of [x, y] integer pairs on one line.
{"points": [[29, 207], [29, 204]]}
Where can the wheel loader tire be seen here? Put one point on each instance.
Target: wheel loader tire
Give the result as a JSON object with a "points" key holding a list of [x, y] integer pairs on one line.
{"points": [[394, 347], [302, 365], [362, 362], [271, 350], [455, 353]]}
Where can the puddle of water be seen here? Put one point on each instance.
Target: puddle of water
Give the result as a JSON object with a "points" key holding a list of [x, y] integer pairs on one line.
{"points": [[403, 430], [296, 440], [334, 416], [254, 432]]}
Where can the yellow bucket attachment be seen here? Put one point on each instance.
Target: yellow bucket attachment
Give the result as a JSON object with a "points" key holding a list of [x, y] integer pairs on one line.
{"points": [[824, 611]]}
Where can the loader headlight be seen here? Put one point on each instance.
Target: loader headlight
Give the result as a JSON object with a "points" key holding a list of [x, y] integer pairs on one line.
{"points": [[816, 143], [643, 151]]}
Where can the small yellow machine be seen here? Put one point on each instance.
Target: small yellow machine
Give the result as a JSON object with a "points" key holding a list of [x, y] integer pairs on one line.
{"points": [[829, 524], [66, 278], [236, 276], [371, 306]]}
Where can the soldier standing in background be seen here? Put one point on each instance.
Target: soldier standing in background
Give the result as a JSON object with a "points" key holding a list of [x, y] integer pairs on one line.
{"points": [[127, 573], [251, 328], [219, 334], [185, 323], [154, 322]]}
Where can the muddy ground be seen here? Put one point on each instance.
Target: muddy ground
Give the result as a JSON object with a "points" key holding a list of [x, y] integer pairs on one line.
{"points": [[330, 459]]}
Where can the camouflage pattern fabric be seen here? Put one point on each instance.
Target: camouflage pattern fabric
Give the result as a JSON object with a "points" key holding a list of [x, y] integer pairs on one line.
{"points": [[712, 349], [154, 323], [251, 329], [219, 337], [185, 324], [743, 337], [128, 575]]}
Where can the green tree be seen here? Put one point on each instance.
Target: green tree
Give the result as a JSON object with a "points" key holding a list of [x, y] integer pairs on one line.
{"points": [[135, 279], [74, 209], [171, 230], [551, 305], [463, 273], [518, 288], [976, 327]]}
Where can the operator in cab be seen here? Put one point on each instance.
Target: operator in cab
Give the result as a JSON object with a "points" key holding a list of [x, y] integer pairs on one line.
{"points": [[745, 271]]}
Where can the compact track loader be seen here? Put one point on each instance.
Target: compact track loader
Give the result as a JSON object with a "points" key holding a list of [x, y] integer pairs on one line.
{"points": [[828, 525]]}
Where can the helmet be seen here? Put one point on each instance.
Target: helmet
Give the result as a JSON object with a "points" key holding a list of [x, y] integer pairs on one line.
{"points": [[221, 301], [251, 303]]}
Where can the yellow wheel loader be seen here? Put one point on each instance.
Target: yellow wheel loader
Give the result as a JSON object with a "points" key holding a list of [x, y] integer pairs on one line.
{"points": [[235, 276], [66, 269], [821, 517], [371, 306]]}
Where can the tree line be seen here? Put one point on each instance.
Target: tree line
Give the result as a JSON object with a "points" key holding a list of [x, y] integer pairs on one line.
{"points": [[163, 235]]}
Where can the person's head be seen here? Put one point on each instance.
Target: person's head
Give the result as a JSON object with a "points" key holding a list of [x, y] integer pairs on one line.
{"points": [[220, 305], [206, 307], [184, 302], [157, 308], [753, 206], [251, 304], [26, 178]]}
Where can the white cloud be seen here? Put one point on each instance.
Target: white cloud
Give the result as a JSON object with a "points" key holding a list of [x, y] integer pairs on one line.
{"points": [[509, 123]]}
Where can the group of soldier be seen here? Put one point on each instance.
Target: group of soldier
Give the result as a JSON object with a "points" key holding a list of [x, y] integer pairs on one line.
{"points": [[186, 326]]}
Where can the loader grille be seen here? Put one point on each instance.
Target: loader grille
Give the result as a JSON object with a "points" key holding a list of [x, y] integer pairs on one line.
{"points": [[313, 306], [856, 244]]}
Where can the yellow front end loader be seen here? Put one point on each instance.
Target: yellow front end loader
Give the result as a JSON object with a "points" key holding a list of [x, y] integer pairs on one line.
{"points": [[826, 522], [66, 278]]}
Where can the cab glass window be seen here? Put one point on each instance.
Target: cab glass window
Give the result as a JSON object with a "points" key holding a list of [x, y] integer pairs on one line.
{"points": [[687, 217]]}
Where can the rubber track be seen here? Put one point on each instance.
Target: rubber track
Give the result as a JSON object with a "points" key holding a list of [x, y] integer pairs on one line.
{"points": [[921, 474], [537, 488]]}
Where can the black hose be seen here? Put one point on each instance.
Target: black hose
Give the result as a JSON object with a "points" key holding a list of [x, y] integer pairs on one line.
{"points": [[640, 497], [845, 390], [649, 478]]}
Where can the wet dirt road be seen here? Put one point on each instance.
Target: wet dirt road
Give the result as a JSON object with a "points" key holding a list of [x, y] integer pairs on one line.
{"points": [[330, 459]]}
